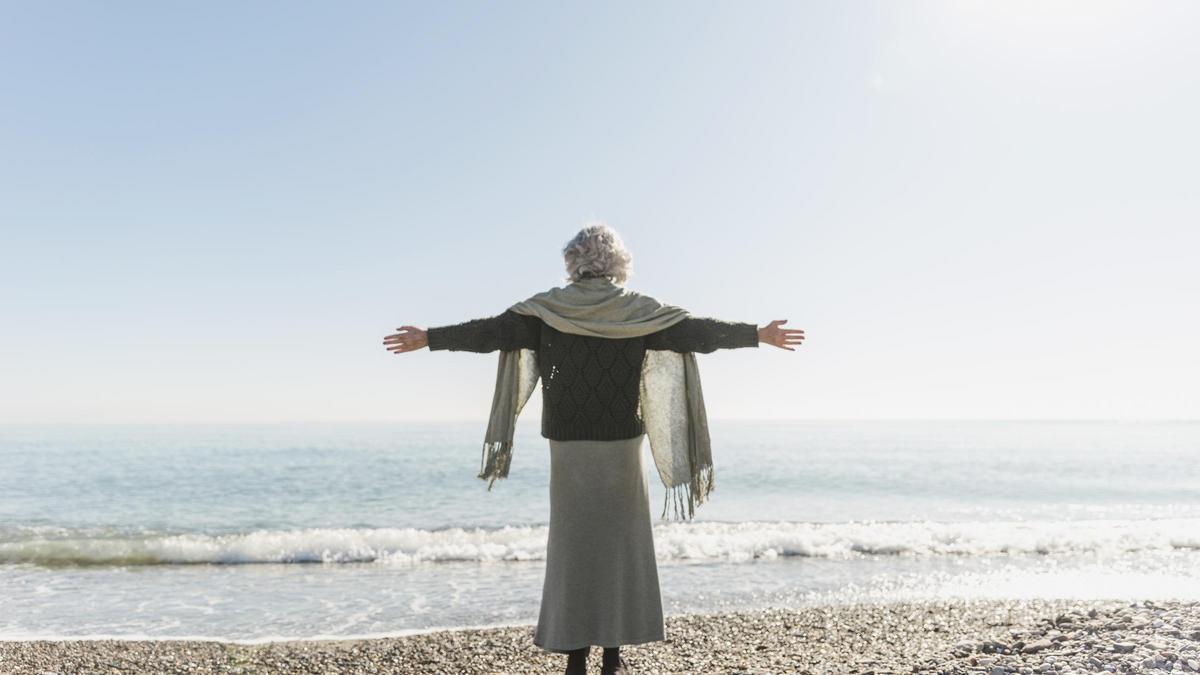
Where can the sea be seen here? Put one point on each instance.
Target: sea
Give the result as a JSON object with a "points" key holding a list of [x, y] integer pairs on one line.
{"points": [[260, 532]]}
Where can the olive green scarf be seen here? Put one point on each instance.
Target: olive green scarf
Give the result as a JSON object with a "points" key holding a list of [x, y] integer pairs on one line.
{"points": [[671, 401]]}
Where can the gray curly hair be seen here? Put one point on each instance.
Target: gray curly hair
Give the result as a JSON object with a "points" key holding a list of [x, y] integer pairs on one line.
{"points": [[598, 251]]}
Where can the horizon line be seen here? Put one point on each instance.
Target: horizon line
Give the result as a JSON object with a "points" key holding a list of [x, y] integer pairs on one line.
{"points": [[215, 422]]}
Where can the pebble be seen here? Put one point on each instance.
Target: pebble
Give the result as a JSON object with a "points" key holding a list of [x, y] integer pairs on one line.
{"points": [[1124, 647], [1037, 646]]}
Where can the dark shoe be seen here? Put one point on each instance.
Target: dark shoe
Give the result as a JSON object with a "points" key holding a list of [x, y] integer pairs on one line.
{"points": [[621, 668]]}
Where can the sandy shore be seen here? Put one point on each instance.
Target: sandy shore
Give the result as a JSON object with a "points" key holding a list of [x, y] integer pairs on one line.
{"points": [[951, 637]]}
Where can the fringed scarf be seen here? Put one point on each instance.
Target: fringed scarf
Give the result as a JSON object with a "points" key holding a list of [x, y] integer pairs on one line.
{"points": [[671, 402]]}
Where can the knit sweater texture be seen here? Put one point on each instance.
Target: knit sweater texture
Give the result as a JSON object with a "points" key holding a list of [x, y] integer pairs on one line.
{"points": [[590, 385]]}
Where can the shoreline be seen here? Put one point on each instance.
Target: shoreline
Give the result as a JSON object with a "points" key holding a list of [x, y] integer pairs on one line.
{"points": [[947, 637], [367, 637]]}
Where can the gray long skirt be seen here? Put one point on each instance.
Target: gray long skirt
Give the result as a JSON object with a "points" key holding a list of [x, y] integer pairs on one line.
{"points": [[601, 585]]}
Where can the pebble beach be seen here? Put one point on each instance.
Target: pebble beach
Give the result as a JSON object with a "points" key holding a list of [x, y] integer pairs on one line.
{"points": [[944, 637]]}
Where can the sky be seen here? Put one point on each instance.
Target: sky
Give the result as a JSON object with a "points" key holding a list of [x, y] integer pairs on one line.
{"points": [[214, 212]]}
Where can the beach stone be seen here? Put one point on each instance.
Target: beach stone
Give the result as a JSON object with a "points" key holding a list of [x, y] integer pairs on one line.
{"points": [[1037, 646], [1123, 647]]}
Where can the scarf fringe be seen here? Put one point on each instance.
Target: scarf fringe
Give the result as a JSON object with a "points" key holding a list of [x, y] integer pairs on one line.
{"points": [[497, 456], [685, 497]]}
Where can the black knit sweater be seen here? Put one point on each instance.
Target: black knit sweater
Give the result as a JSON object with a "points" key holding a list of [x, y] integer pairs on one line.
{"points": [[589, 384]]}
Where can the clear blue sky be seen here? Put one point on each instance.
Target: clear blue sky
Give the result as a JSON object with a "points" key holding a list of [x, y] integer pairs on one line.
{"points": [[215, 211]]}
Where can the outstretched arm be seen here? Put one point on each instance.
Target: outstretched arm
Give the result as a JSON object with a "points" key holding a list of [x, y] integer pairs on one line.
{"points": [[704, 335], [506, 331]]}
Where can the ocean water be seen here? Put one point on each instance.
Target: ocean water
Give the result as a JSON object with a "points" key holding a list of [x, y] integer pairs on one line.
{"points": [[261, 532]]}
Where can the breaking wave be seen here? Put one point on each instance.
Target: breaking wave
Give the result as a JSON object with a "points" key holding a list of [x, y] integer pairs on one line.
{"points": [[716, 541]]}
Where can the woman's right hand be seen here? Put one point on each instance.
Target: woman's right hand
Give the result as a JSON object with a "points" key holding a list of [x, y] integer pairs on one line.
{"points": [[410, 338]]}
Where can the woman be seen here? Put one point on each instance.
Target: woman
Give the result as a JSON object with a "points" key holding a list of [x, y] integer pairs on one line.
{"points": [[615, 366]]}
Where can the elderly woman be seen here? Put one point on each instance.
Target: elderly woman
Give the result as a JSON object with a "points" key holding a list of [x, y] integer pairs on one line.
{"points": [[615, 367]]}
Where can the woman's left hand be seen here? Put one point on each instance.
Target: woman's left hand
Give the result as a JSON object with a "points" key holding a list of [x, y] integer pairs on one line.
{"points": [[410, 338]]}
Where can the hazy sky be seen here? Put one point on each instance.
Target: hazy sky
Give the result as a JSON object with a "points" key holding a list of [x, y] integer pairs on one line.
{"points": [[215, 211]]}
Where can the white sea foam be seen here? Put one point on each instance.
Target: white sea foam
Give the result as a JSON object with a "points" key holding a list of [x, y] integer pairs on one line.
{"points": [[729, 542]]}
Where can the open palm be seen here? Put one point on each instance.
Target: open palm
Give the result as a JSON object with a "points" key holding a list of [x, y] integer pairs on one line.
{"points": [[772, 334]]}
